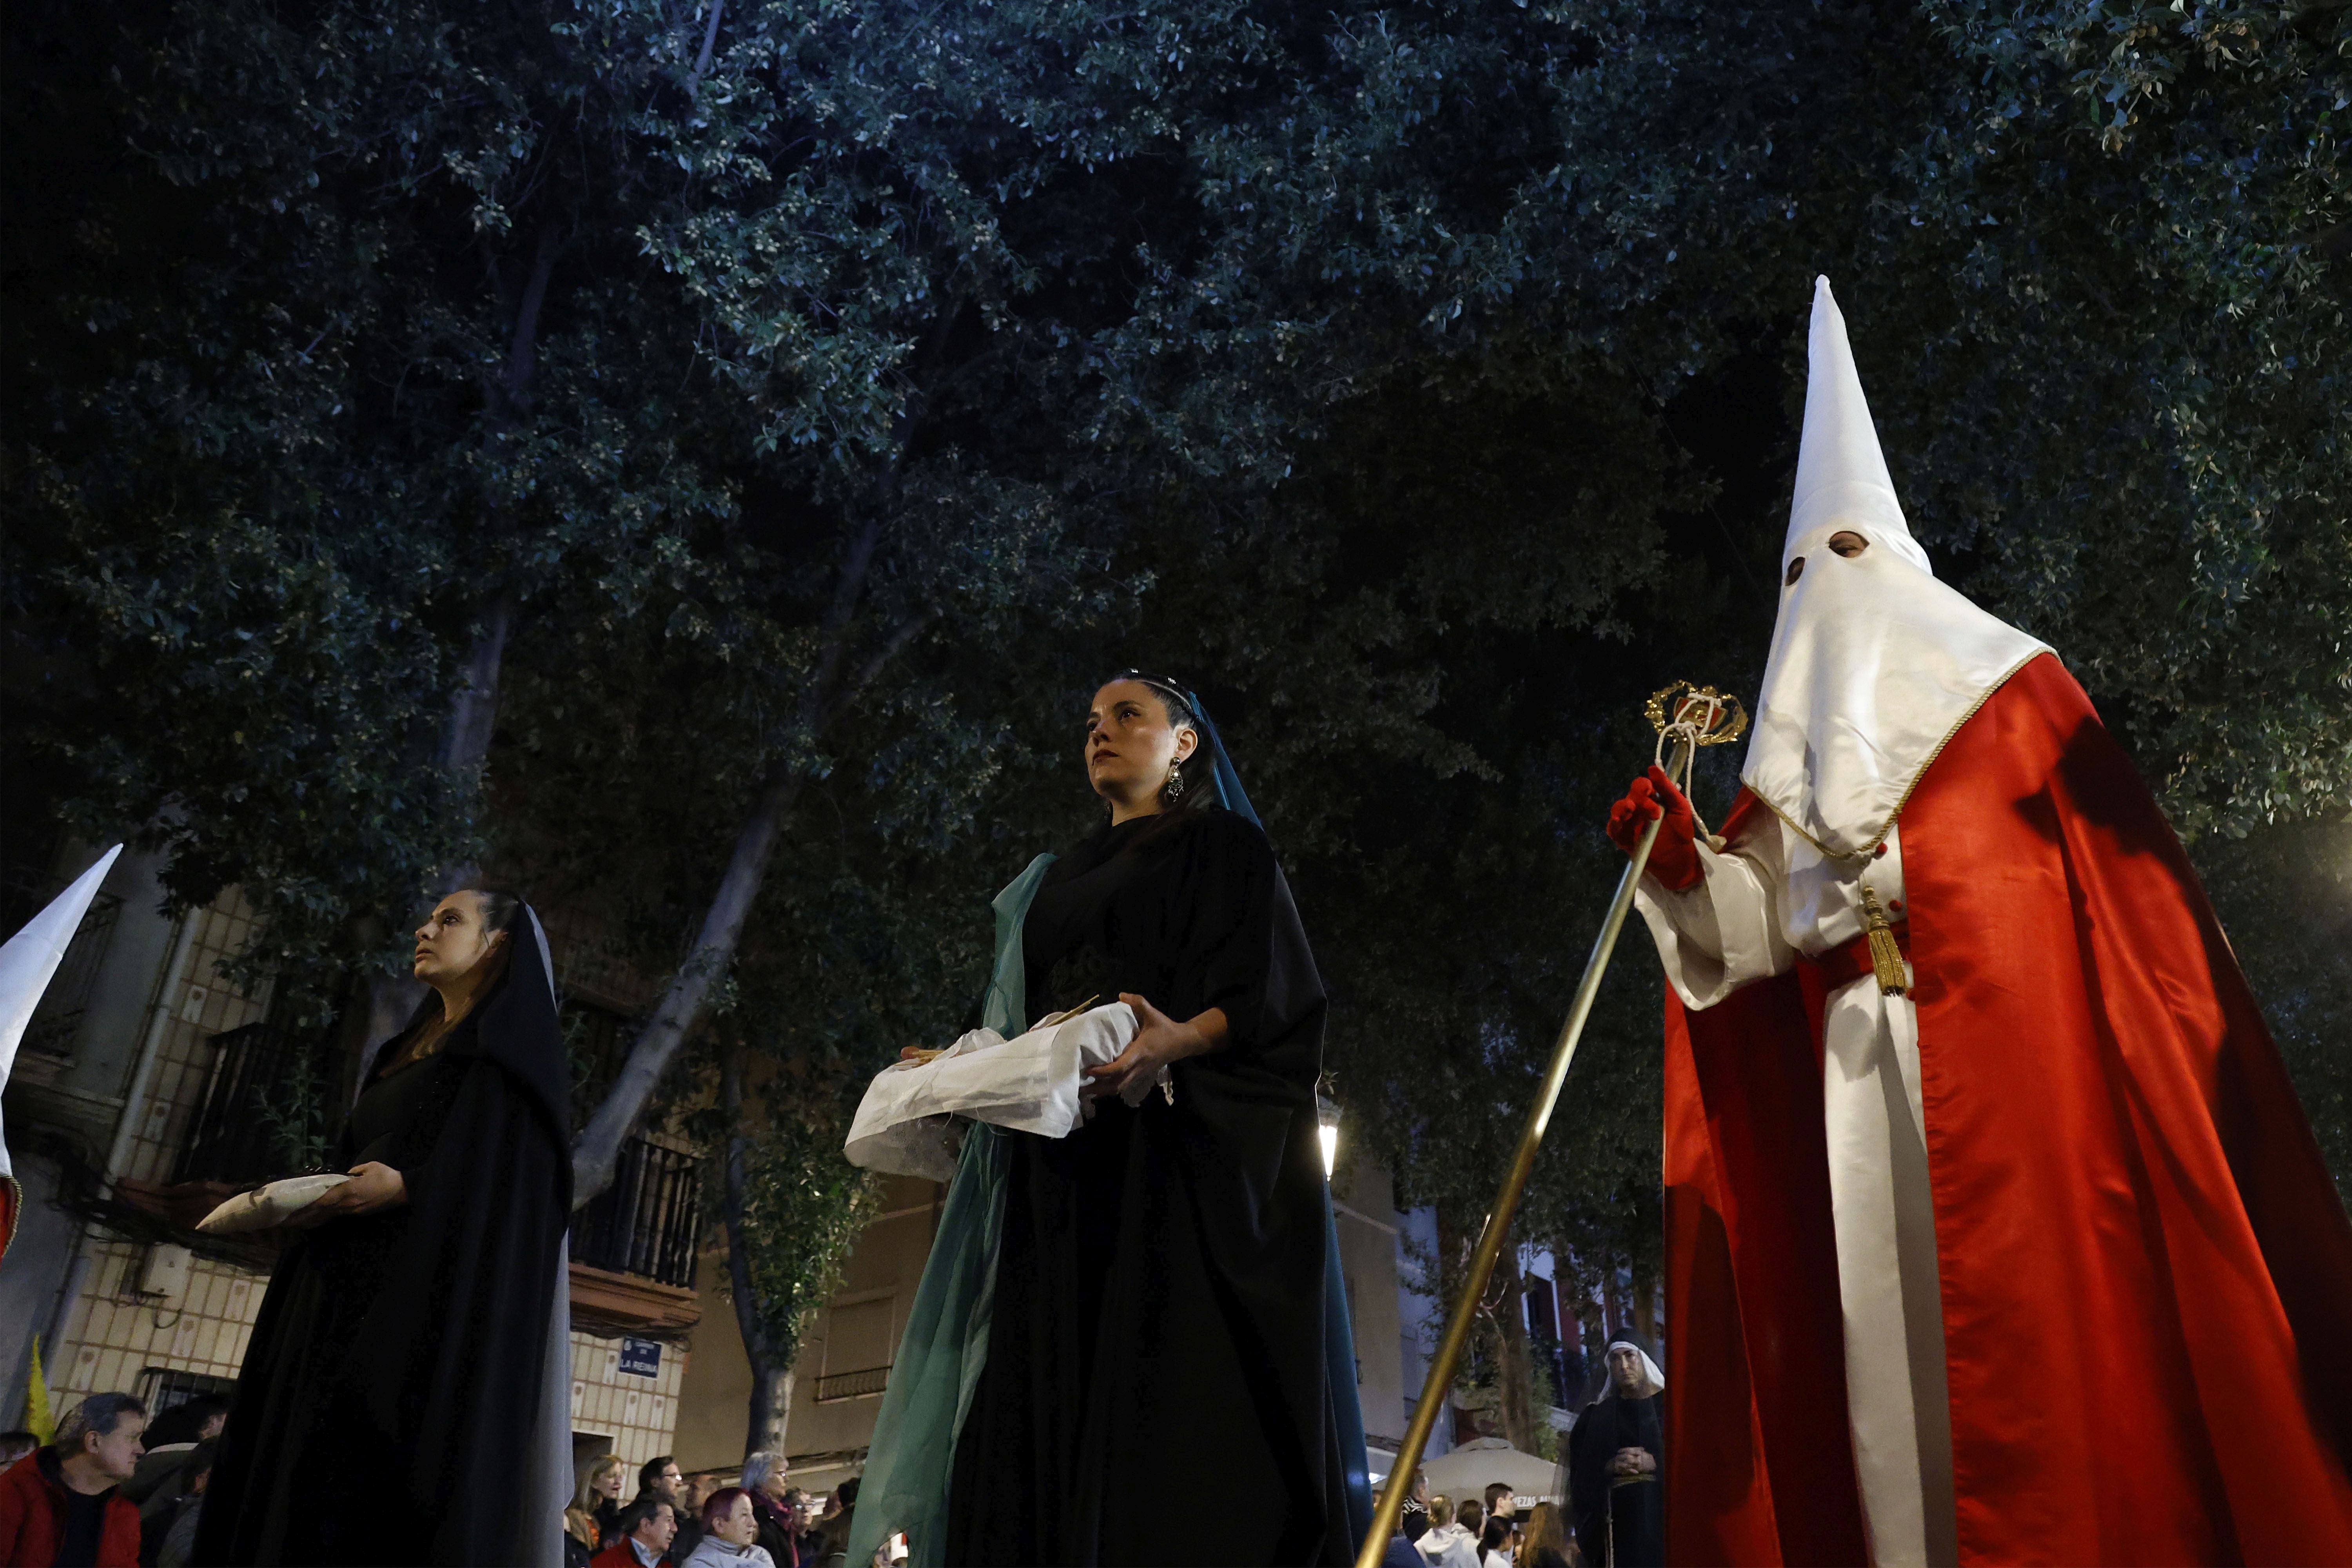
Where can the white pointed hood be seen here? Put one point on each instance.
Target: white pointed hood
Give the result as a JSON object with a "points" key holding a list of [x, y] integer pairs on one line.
{"points": [[31, 957], [1875, 663]]}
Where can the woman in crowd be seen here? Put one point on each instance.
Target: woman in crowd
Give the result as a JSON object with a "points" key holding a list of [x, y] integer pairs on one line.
{"points": [[595, 1506], [1496, 1542], [1151, 1306], [412, 1351], [1545, 1543], [764, 1478], [731, 1533]]}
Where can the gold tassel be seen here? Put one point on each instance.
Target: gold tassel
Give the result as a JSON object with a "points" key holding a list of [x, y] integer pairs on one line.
{"points": [[1885, 957]]}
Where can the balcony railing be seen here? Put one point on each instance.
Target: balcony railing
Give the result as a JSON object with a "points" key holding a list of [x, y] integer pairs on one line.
{"points": [[264, 1113], [265, 1110], [647, 1221], [873, 1380]]}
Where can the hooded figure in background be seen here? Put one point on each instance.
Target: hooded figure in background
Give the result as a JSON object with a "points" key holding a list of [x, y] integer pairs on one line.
{"points": [[405, 1388], [1615, 1450], [1958, 1063]]}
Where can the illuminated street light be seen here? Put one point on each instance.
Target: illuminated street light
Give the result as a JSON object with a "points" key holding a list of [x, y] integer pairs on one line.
{"points": [[1327, 1128]]}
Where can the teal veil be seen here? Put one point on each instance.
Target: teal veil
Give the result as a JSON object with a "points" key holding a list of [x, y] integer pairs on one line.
{"points": [[941, 1356]]}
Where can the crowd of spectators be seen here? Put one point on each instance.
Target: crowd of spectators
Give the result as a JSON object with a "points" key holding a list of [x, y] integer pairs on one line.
{"points": [[677, 1521], [114, 1491], [1488, 1531]]}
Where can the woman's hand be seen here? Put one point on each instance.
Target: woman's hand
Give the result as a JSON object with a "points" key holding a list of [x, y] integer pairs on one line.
{"points": [[374, 1187], [1158, 1040]]}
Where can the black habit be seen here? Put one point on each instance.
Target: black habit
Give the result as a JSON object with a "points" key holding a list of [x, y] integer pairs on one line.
{"points": [[1635, 1511], [1155, 1390], [391, 1388]]}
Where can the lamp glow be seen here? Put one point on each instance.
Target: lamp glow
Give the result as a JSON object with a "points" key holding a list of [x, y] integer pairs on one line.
{"points": [[1326, 1129]]}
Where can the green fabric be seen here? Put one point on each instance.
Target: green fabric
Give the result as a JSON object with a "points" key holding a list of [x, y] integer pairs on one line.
{"points": [[905, 1484]]}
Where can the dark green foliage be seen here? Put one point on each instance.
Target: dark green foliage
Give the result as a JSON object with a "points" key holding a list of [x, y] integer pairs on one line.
{"points": [[840, 405]]}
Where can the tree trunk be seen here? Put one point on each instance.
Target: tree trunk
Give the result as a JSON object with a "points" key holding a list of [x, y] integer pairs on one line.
{"points": [[771, 1383], [474, 710], [831, 693], [1645, 1306], [771, 1408], [598, 1152], [1515, 1366]]}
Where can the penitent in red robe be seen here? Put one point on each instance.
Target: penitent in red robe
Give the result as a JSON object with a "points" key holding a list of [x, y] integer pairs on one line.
{"points": [[2145, 1271]]}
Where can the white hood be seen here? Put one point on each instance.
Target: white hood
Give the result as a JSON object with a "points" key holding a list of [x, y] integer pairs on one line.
{"points": [[30, 959], [1875, 663]]}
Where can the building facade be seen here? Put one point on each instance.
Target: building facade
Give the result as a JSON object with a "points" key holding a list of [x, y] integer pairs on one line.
{"points": [[152, 1084]]}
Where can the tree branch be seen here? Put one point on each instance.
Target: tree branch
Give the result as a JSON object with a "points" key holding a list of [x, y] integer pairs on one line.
{"points": [[522, 353], [597, 1154], [866, 673], [709, 42]]}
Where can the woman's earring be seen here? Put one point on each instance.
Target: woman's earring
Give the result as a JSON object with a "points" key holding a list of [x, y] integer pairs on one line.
{"points": [[1175, 781]]}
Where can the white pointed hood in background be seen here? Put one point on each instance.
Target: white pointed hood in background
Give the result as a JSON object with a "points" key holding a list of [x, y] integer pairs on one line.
{"points": [[31, 958], [1875, 663]]}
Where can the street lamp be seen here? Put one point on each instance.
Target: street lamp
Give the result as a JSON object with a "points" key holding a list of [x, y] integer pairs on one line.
{"points": [[1327, 1128]]}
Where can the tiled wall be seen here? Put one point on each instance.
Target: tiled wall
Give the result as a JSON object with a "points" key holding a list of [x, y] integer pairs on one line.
{"points": [[639, 1413], [113, 1335]]}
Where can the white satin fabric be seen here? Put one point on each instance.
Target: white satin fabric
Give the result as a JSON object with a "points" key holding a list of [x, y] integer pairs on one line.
{"points": [[1761, 904], [30, 958], [1031, 1083], [1875, 663]]}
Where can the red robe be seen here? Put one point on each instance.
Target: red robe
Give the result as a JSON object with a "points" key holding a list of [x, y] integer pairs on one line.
{"points": [[2145, 1271]]}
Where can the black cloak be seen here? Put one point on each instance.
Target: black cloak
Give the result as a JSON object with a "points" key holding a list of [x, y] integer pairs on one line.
{"points": [[1638, 1508], [1156, 1386], [391, 1388]]}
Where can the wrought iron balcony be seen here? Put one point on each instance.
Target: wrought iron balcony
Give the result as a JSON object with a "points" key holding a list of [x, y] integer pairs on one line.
{"points": [[647, 1221], [264, 1113], [859, 1384]]}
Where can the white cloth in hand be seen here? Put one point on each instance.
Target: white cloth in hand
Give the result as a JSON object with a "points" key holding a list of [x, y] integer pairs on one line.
{"points": [[267, 1206], [1031, 1083]]}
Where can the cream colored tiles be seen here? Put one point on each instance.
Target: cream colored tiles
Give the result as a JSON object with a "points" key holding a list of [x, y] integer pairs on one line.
{"points": [[638, 1413]]}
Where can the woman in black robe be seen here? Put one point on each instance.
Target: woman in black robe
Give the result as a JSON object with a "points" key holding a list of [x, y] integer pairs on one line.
{"points": [[393, 1389], [1168, 1378]]}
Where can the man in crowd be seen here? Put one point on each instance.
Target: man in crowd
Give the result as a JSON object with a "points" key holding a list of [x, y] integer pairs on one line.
{"points": [[644, 1532], [169, 1439], [1612, 1465], [169, 1519], [15, 1445], [660, 1480], [62, 1505]]}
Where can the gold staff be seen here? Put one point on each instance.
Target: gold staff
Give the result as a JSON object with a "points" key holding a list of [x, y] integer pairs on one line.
{"points": [[1702, 716]]}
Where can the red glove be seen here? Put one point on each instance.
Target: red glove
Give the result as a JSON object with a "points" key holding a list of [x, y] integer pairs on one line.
{"points": [[1674, 858]]}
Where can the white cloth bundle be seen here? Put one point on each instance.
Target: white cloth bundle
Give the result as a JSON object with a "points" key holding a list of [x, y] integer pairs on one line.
{"points": [[266, 1206], [1030, 1083]]}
